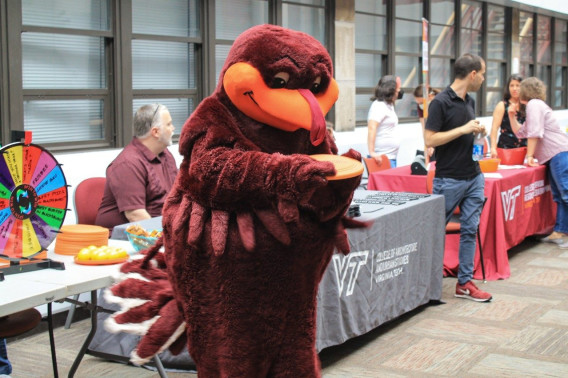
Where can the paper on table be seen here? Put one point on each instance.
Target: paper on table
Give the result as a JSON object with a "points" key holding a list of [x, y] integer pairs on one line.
{"points": [[511, 166], [492, 175]]}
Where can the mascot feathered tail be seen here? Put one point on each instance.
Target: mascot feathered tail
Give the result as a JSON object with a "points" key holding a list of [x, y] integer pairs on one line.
{"points": [[251, 222]]}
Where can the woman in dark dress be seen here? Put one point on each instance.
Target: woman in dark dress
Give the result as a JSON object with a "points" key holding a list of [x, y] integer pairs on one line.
{"points": [[502, 135]]}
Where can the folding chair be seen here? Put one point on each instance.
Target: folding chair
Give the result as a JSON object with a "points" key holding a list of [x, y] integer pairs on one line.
{"points": [[372, 166]]}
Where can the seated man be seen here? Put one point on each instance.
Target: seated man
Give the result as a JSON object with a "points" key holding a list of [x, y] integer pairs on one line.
{"points": [[141, 176]]}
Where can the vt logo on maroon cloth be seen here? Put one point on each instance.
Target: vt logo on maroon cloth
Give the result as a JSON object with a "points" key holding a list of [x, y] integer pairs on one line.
{"points": [[509, 198]]}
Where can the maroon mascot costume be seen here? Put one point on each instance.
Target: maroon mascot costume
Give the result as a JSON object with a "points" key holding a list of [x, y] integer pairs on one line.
{"points": [[251, 222]]}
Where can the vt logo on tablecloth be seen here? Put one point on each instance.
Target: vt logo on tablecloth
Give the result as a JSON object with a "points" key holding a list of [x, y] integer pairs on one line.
{"points": [[347, 268], [385, 265], [509, 198], [531, 194]]}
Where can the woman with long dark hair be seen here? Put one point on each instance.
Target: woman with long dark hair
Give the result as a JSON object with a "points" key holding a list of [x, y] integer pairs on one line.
{"points": [[502, 136]]}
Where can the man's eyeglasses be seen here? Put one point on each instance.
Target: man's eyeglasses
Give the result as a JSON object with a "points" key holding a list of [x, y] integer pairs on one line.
{"points": [[154, 115]]}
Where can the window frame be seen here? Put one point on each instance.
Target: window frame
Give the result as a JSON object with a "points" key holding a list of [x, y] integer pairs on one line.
{"points": [[539, 64], [119, 94], [4, 89], [500, 62], [416, 56], [383, 57], [450, 58], [527, 62], [194, 94], [106, 95], [563, 66]]}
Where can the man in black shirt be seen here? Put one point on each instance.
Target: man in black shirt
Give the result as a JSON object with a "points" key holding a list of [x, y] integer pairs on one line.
{"points": [[450, 128]]}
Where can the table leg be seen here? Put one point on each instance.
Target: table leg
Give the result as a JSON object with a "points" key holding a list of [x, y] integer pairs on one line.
{"points": [[480, 246], [52, 340], [481, 255], [89, 336], [160, 367], [95, 309]]}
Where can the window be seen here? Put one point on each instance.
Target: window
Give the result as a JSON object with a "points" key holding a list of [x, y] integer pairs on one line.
{"points": [[371, 50], [560, 64], [544, 51], [66, 64], [408, 53], [471, 37], [442, 43], [496, 63], [526, 33], [471, 28], [82, 80], [165, 50], [232, 17], [74, 71], [307, 16]]}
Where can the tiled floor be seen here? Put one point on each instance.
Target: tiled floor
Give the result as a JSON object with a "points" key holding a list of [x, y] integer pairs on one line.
{"points": [[523, 332]]}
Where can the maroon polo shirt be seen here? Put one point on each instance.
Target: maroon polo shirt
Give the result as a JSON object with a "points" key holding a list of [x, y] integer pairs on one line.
{"points": [[136, 179]]}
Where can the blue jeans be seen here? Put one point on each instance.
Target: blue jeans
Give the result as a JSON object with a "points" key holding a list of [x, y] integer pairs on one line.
{"points": [[5, 366], [558, 176], [469, 196]]}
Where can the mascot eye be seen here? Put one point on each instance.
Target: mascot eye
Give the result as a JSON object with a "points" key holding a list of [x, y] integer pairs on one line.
{"points": [[280, 80], [316, 86]]}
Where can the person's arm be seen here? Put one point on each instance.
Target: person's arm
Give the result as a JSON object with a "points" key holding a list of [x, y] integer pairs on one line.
{"points": [[372, 127], [137, 215], [533, 128], [515, 126], [531, 147], [498, 114], [438, 138], [428, 151]]}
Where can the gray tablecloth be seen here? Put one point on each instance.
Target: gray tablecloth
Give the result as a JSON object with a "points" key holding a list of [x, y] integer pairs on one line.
{"points": [[394, 267]]}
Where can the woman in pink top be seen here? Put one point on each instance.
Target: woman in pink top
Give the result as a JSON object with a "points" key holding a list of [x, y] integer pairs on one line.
{"points": [[547, 144]]}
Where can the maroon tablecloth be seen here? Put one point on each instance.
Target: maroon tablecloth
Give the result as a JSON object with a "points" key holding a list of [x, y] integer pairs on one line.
{"points": [[519, 204], [397, 180]]}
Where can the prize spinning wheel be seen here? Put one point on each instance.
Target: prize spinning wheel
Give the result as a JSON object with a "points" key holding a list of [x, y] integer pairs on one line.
{"points": [[33, 200]]}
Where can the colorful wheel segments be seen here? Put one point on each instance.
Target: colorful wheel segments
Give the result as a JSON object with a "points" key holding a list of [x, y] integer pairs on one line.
{"points": [[33, 200]]}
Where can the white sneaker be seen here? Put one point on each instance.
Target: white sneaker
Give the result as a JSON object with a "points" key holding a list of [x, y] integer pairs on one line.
{"points": [[563, 245], [556, 240]]}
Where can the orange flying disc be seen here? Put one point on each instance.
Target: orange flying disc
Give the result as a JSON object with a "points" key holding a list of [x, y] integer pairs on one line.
{"points": [[345, 166]]}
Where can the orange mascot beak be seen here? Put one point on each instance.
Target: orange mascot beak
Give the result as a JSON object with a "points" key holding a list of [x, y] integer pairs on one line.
{"points": [[285, 109]]}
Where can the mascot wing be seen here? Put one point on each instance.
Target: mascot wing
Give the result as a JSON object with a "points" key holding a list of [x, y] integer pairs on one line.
{"points": [[147, 307]]}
